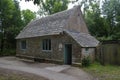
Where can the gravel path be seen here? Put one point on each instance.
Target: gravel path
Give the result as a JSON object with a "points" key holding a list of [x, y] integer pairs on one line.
{"points": [[49, 71]]}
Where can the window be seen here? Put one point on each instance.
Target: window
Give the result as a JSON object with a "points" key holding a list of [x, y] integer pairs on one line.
{"points": [[46, 44], [86, 49], [23, 44]]}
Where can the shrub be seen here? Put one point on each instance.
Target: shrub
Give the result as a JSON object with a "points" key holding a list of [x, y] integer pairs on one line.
{"points": [[8, 52], [86, 61]]}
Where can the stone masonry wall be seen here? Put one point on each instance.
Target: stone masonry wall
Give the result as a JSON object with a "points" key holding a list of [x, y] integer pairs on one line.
{"points": [[34, 48]]}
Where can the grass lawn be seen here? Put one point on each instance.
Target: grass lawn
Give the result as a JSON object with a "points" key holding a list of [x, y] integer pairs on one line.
{"points": [[107, 72]]}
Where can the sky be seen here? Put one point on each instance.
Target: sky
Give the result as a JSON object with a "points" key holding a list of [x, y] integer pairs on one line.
{"points": [[29, 5]]}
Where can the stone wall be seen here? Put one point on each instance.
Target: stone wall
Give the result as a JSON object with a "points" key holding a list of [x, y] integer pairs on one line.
{"points": [[34, 48], [88, 52], [77, 23]]}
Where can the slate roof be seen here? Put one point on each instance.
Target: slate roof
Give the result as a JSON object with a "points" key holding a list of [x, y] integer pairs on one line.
{"points": [[54, 25], [85, 40], [50, 25]]}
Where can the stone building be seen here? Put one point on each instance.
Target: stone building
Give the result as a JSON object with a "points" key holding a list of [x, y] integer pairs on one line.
{"points": [[62, 37]]}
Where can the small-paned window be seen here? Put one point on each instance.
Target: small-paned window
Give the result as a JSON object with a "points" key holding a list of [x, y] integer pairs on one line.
{"points": [[23, 44], [46, 44]]}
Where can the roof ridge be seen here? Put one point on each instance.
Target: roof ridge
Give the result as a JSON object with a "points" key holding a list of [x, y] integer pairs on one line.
{"points": [[75, 7], [62, 11], [47, 25]]}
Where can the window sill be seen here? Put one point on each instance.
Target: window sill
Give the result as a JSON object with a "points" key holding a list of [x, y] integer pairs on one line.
{"points": [[23, 49], [47, 50]]}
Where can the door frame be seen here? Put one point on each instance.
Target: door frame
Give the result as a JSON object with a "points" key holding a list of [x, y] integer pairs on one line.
{"points": [[65, 54]]}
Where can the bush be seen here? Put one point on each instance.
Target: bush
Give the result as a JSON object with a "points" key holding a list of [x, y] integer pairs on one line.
{"points": [[8, 52], [86, 61]]}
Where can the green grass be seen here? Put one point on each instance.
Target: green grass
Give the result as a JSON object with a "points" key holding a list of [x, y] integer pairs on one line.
{"points": [[107, 72]]}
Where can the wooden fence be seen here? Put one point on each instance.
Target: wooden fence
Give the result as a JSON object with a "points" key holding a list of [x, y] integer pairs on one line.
{"points": [[109, 52]]}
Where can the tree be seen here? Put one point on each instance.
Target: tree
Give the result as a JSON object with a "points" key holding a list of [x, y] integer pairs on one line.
{"points": [[15, 26], [35, 1], [48, 7], [40, 1], [27, 16], [6, 9], [17, 15], [111, 13], [10, 18], [92, 14], [104, 23]]}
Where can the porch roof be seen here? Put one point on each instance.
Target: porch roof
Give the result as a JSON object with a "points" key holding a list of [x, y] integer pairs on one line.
{"points": [[85, 40]]}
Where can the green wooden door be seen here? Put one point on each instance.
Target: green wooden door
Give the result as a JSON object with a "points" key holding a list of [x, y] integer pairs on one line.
{"points": [[68, 54]]}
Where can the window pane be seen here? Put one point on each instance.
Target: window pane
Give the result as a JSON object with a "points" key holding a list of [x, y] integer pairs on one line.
{"points": [[46, 44], [49, 44], [23, 45], [43, 46], [86, 49]]}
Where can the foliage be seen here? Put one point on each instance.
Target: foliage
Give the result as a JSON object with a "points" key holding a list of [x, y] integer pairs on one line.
{"points": [[111, 12], [86, 61], [27, 16], [35, 1], [102, 19], [39, 1], [9, 11], [48, 7], [11, 23], [107, 72], [92, 14], [8, 52]]}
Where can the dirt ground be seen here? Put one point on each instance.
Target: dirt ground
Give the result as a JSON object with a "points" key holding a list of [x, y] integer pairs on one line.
{"points": [[6, 74], [13, 67], [11, 60]]}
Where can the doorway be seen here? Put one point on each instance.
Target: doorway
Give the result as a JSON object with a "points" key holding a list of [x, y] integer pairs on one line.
{"points": [[68, 54]]}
